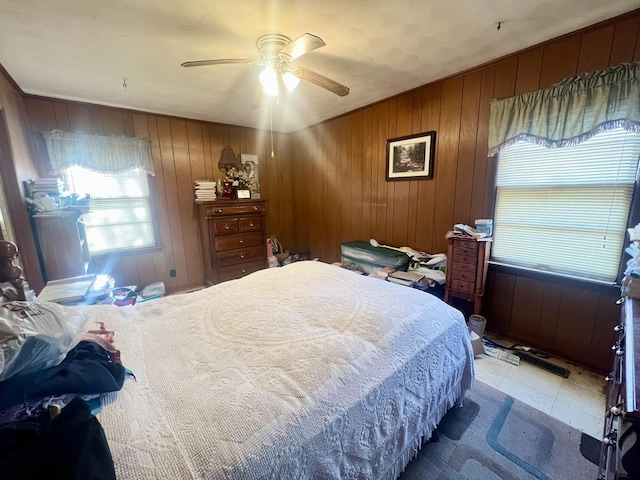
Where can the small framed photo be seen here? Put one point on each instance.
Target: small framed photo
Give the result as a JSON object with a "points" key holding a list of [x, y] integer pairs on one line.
{"points": [[411, 157], [242, 193]]}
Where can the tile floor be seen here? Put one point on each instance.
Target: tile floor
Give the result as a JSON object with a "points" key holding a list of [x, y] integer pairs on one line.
{"points": [[578, 400]]}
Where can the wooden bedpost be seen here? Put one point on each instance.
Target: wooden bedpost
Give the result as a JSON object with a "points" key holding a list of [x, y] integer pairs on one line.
{"points": [[8, 271]]}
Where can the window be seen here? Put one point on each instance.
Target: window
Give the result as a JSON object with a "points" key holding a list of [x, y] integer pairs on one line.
{"points": [[120, 216], [565, 210]]}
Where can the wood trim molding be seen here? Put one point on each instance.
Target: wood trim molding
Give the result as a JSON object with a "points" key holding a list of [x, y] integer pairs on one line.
{"points": [[10, 79], [553, 278]]}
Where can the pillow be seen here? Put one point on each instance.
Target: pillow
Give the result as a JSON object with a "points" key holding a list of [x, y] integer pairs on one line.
{"points": [[35, 336]]}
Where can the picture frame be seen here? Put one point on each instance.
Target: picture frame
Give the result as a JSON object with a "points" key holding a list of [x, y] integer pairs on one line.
{"points": [[243, 193], [411, 157], [249, 164]]}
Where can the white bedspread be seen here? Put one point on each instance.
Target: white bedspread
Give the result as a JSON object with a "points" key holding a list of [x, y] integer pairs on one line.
{"points": [[306, 371]]}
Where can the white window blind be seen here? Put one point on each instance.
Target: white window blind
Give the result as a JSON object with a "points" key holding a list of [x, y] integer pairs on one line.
{"points": [[565, 210], [120, 216]]}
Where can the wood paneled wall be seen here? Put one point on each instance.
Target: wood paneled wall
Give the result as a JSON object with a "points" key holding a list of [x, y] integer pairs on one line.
{"points": [[327, 183], [340, 192], [183, 151], [16, 166]]}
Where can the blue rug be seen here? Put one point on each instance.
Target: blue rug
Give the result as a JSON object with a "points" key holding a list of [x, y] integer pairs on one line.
{"points": [[495, 437]]}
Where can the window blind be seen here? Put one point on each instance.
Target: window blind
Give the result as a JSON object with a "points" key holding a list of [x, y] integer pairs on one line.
{"points": [[565, 210], [120, 216]]}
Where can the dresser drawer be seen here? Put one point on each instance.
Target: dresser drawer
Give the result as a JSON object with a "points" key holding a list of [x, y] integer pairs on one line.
{"points": [[239, 270], [470, 259], [239, 240], [231, 257], [464, 275], [222, 210], [251, 224], [467, 267], [462, 286], [609, 451], [224, 226], [469, 250]]}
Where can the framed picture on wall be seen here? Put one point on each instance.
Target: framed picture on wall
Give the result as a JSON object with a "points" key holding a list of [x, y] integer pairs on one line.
{"points": [[411, 157]]}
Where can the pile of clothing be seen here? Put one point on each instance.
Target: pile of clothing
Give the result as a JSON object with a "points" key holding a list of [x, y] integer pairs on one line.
{"points": [[53, 370]]}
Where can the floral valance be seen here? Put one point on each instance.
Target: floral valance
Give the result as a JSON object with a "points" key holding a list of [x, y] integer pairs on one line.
{"points": [[100, 153], [569, 112]]}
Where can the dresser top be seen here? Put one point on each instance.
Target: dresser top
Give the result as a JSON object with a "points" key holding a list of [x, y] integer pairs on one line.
{"points": [[227, 202], [469, 239]]}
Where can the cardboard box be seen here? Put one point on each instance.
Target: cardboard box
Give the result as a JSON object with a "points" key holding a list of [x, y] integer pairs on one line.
{"points": [[476, 343]]}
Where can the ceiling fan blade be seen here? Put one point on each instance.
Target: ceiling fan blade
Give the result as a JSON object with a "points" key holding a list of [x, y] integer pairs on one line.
{"points": [[320, 80], [220, 61], [301, 45]]}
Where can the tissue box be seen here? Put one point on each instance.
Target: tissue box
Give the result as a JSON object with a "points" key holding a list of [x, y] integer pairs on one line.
{"points": [[476, 343], [485, 225]]}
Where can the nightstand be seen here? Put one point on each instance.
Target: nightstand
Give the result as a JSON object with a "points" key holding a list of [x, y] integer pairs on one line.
{"points": [[467, 262]]}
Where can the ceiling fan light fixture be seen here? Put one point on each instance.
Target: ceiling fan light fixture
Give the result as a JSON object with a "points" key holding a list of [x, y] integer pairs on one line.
{"points": [[290, 81], [276, 51], [269, 81]]}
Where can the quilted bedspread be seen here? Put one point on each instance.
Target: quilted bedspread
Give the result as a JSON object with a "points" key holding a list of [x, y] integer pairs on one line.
{"points": [[305, 371]]}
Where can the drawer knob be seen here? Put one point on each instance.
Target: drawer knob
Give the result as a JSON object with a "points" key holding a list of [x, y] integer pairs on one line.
{"points": [[614, 411], [610, 377], [226, 226], [620, 352], [241, 254], [251, 224], [610, 439], [255, 208], [618, 328], [620, 301], [219, 210], [243, 270], [241, 241]]}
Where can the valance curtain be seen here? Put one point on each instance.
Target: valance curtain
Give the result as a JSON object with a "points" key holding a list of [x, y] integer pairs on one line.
{"points": [[569, 112], [100, 153]]}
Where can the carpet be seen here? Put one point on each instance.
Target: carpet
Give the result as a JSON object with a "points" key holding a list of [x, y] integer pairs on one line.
{"points": [[493, 436]]}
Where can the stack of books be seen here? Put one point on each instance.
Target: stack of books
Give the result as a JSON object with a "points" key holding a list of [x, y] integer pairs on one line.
{"points": [[408, 279], [66, 289], [205, 190], [50, 186]]}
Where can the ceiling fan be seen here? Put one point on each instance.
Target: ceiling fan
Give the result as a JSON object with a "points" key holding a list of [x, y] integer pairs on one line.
{"points": [[276, 51]]}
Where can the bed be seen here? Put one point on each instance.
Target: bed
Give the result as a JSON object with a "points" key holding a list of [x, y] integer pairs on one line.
{"points": [[305, 371]]}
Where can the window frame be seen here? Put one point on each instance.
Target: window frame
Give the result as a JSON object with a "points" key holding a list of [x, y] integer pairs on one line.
{"points": [[153, 212], [633, 218]]}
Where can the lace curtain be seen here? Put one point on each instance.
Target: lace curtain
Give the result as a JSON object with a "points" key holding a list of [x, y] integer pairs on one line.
{"points": [[569, 112], [100, 153]]}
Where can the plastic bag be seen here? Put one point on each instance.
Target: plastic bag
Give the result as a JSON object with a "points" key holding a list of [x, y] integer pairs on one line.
{"points": [[35, 336]]}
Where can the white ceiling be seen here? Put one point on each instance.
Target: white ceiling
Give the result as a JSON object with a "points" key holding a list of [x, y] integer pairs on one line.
{"points": [[85, 49]]}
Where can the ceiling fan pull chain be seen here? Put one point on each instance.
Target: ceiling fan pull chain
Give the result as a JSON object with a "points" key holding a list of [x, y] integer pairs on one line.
{"points": [[271, 128]]}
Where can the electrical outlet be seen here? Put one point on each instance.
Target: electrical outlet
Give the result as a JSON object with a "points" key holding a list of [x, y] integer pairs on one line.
{"points": [[172, 273]]}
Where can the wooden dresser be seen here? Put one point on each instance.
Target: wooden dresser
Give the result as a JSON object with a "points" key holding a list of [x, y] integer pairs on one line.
{"points": [[62, 245], [620, 452], [467, 263], [233, 238]]}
